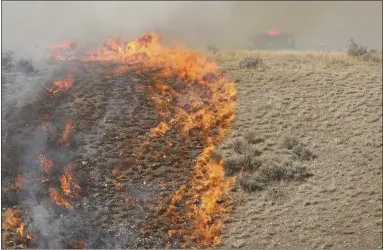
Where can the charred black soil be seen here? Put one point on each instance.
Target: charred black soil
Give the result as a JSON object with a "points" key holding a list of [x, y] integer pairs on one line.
{"points": [[124, 177]]}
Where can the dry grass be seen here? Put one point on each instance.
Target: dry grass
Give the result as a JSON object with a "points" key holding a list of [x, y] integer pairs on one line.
{"points": [[306, 144]]}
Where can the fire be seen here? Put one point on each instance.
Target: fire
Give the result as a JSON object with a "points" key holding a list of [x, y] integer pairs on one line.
{"points": [[58, 198], [12, 219], [60, 86], [273, 32], [68, 183], [45, 180], [162, 185], [20, 231], [64, 140], [45, 164], [192, 96], [13, 222], [18, 184], [78, 244], [129, 200], [117, 173], [64, 50], [65, 45], [160, 130], [117, 184]]}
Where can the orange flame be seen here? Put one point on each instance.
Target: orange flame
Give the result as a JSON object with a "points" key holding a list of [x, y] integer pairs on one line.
{"points": [[191, 94], [58, 198], [160, 130], [64, 140], [13, 221], [18, 184], [117, 184], [78, 244], [120, 176], [63, 51], [129, 200], [20, 231], [45, 180], [68, 183], [116, 172], [60, 86], [45, 164]]}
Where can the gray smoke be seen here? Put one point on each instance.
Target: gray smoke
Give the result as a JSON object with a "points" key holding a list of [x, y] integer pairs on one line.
{"points": [[227, 24]]}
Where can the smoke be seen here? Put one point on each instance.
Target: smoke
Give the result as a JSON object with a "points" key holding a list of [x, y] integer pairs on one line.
{"points": [[226, 24]]}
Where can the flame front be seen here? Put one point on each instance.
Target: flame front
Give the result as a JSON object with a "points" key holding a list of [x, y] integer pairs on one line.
{"points": [[64, 140], [193, 99], [68, 183], [191, 94], [160, 130], [14, 224], [59, 198], [46, 165], [18, 184], [60, 86], [78, 244], [64, 51]]}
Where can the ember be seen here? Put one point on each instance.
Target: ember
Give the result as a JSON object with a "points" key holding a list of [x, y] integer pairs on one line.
{"points": [[60, 86], [64, 140], [68, 183], [58, 198], [160, 130], [78, 244], [18, 184], [45, 164], [64, 51]]}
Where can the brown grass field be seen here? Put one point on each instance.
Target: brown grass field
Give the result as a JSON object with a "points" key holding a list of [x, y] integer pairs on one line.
{"points": [[308, 138], [305, 147]]}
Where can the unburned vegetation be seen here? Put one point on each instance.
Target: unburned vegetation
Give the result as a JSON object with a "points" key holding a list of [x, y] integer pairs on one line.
{"points": [[305, 148]]}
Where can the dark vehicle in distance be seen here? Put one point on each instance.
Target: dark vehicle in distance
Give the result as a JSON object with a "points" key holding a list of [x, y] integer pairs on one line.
{"points": [[272, 40]]}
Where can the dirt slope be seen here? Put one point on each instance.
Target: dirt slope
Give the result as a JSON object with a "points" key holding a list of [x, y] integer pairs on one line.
{"points": [[320, 112]]}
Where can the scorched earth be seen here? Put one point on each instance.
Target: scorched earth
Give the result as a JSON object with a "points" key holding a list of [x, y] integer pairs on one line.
{"points": [[117, 149]]}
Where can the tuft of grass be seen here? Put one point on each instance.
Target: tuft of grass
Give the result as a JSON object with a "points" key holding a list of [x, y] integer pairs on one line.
{"points": [[25, 66], [212, 48], [251, 137], [303, 153], [290, 142], [246, 162], [239, 145], [234, 164], [298, 149], [250, 184], [251, 62], [272, 173], [362, 53]]}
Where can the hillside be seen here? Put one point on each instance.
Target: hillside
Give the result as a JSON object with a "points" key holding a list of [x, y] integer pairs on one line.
{"points": [[306, 144], [133, 147]]}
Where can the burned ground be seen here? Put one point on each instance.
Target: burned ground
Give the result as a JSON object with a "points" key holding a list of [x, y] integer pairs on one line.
{"points": [[123, 178]]}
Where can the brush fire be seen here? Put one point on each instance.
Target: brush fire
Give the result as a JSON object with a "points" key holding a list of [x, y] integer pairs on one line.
{"points": [[161, 166]]}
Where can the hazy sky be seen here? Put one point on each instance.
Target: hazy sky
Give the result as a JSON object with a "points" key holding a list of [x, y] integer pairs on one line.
{"points": [[226, 24]]}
